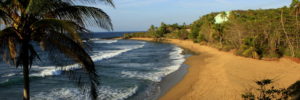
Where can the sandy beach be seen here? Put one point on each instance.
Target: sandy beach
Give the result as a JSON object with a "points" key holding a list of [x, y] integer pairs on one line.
{"points": [[218, 75]]}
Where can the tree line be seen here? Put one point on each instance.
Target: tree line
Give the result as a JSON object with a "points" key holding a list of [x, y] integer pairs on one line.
{"points": [[262, 33]]}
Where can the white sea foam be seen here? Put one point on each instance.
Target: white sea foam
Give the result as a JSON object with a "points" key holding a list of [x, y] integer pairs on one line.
{"points": [[94, 39], [177, 61], [105, 93], [61, 94], [53, 71], [9, 75], [105, 41], [98, 40], [156, 76], [4, 81], [106, 55]]}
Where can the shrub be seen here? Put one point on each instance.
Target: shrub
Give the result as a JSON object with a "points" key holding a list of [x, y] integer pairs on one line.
{"points": [[201, 38], [266, 91]]}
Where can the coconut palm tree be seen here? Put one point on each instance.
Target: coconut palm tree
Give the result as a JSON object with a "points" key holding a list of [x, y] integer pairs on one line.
{"points": [[57, 25]]}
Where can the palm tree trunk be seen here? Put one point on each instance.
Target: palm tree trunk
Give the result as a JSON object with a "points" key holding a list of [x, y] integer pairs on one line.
{"points": [[25, 59]]}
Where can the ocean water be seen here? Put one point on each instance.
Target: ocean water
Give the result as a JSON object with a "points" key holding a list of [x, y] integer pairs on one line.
{"points": [[129, 70]]}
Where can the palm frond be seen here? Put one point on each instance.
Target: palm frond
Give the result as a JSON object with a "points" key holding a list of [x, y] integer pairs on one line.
{"points": [[83, 15], [8, 44], [12, 47], [41, 6], [23, 3], [68, 27], [55, 40], [33, 55], [72, 49], [4, 3], [109, 2], [5, 17], [9, 31]]}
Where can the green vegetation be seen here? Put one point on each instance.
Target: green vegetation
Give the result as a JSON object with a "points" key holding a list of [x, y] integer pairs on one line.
{"points": [[57, 26], [164, 31], [262, 33]]}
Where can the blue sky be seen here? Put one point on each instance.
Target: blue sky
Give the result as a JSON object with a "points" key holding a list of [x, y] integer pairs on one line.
{"points": [[138, 15]]}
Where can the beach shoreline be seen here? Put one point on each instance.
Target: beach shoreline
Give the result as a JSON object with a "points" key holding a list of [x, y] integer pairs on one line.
{"points": [[169, 81], [216, 75]]}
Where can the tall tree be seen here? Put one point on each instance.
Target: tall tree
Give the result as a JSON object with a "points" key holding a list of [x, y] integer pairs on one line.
{"points": [[57, 25], [152, 28], [294, 3], [163, 28], [295, 6]]}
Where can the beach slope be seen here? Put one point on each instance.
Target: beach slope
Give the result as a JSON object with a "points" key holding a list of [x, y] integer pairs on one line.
{"points": [[217, 75]]}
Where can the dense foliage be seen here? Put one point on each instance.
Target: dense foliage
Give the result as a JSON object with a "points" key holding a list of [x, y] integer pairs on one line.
{"points": [[262, 33], [164, 31]]}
